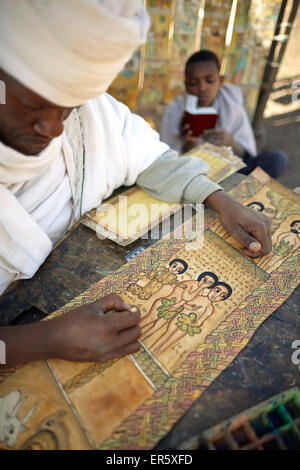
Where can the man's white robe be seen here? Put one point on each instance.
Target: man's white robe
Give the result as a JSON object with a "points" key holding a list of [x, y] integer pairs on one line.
{"points": [[103, 147], [38, 192]]}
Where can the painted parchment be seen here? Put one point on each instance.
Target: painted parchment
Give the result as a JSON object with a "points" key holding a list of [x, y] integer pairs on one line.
{"points": [[34, 414], [125, 220], [282, 207], [214, 299]]}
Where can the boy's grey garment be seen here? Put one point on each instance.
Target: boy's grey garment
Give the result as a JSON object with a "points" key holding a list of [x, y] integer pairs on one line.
{"points": [[232, 118], [172, 178]]}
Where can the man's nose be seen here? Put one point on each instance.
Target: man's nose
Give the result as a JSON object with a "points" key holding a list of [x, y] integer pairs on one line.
{"points": [[51, 125], [49, 128]]}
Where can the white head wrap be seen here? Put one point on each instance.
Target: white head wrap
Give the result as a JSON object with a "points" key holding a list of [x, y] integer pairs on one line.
{"points": [[69, 51]]}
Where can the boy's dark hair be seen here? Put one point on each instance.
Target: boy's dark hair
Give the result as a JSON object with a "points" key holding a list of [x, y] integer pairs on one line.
{"points": [[203, 56], [178, 260], [208, 273]]}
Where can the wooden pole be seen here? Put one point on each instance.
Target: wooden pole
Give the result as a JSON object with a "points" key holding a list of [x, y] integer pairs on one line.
{"points": [[273, 64]]}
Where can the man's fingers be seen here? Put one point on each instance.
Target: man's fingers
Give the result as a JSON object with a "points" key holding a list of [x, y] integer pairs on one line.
{"points": [[247, 240], [268, 226], [129, 336], [130, 349], [251, 253], [123, 320], [113, 302], [257, 243], [262, 233]]}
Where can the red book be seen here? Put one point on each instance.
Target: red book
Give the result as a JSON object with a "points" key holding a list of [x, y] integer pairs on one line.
{"points": [[199, 118]]}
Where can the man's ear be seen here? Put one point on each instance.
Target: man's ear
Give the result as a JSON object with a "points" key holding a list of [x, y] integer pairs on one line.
{"points": [[221, 78]]}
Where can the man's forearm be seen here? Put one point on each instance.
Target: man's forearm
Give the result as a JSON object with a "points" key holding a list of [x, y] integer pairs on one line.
{"points": [[174, 179], [217, 201], [250, 228], [27, 342]]}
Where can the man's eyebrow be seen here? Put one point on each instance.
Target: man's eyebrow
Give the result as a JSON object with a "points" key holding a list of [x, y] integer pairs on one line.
{"points": [[31, 104], [26, 100]]}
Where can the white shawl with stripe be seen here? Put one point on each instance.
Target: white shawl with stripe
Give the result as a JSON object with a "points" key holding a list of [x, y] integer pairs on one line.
{"points": [[104, 146]]}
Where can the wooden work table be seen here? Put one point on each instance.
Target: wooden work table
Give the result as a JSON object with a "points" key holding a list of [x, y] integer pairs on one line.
{"points": [[264, 367]]}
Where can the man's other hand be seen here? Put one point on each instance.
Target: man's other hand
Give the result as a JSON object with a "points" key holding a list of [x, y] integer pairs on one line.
{"points": [[86, 334], [249, 227]]}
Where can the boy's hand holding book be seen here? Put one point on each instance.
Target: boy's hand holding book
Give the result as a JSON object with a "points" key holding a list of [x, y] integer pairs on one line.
{"points": [[187, 133]]}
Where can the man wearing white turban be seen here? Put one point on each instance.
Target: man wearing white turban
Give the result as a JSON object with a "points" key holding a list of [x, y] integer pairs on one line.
{"points": [[65, 146]]}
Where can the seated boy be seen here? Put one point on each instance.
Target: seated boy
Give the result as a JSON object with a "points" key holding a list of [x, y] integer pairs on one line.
{"points": [[203, 79]]}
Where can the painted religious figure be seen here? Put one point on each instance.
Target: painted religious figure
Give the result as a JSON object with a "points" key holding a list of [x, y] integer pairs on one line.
{"points": [[159, 278], [192, 316], [274, 204], [164, 309], [256, 206], [286, 244], [184, 310]]}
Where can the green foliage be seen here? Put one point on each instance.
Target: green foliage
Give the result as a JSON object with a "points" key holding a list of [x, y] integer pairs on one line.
{"points": [[282, 249], [166, 309], [269, 211], [185, 323], [283, 208]]}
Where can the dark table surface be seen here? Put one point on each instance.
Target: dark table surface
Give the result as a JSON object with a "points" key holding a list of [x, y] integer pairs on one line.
{"points": [[264, 367]]}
